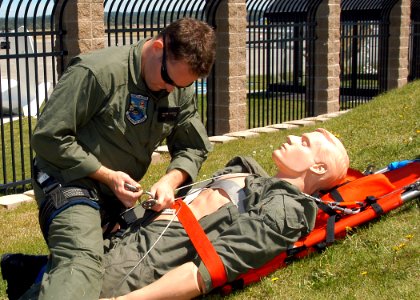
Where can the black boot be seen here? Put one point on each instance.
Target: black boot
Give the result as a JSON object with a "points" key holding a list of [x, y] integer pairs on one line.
{"points": [[20, 272]]}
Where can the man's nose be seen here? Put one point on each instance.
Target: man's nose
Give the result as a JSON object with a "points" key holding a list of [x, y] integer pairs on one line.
{"points": [[293, 139]]}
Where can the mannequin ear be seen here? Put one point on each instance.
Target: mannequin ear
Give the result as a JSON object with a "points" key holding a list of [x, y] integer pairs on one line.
{"points": [[319, 169]]}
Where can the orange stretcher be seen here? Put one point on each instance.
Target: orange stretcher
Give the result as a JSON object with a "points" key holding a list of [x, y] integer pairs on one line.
{"points": [[362, 198]]}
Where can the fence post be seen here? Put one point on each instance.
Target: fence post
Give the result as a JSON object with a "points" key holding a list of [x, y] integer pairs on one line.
{"points": [[399, 31], [83, 22], [230, 107], [327, 58]]}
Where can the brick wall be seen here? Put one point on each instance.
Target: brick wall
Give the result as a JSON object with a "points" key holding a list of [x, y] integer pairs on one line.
{"points": [[398, 44], [327, 58], [83, 20]]}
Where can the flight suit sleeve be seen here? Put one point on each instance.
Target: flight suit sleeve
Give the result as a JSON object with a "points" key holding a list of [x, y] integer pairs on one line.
{"points": [[188, 143], [258, 236], [74, 101]]}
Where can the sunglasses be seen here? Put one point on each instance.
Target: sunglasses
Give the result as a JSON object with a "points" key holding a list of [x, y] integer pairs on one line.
{"points": [[164, 71]]}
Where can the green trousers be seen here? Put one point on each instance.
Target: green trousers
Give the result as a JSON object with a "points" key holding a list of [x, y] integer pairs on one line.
{"points": [[74, 270]]}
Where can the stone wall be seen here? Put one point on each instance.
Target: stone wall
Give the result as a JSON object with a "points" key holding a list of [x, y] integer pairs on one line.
{"points": [[398, 44], [327, 58], [230, 105], [83, 20]]}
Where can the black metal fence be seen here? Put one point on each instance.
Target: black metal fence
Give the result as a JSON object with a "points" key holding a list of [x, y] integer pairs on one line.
{"points": [[364, 50], [280, 59], [280, 50], [414, 48], [30, 46], [129, 21]]}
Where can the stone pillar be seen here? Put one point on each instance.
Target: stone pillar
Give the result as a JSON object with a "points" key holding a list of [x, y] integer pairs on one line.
{"points": [[83, 22], [230, 106], [327, 58], [399, 31]]}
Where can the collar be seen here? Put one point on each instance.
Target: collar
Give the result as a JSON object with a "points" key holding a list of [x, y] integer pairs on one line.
{"points": [[135, 64], [135, 70]]}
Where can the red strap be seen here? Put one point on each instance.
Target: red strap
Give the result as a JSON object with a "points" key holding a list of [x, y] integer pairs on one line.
{"points": [[201, 243]]}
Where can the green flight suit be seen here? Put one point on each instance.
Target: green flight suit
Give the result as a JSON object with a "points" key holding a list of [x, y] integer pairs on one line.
{"points": [[277, 214], [102, 113]]}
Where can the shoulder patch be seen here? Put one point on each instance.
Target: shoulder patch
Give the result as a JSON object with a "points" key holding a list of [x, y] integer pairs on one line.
{"points": [[137, 109]]}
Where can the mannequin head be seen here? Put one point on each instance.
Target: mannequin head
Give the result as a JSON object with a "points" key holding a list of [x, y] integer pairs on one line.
{"points": [[313, 161]]}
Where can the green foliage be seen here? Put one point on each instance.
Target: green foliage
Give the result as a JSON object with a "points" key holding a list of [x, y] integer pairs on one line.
{"points": [[379, 260]]}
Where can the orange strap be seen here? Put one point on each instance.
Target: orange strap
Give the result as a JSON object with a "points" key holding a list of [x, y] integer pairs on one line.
{"points": [[201, 243]]}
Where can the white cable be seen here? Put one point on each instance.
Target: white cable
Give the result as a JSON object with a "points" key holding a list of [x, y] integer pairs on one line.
{"points": [[175, 214], [147, 252]]}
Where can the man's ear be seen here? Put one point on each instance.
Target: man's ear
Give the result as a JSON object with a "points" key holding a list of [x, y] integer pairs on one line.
{"points": [[319, 169], [157, 43]]}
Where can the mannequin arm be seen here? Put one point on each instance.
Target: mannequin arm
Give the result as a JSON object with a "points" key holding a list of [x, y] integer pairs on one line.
{"points": [[184, 282]]}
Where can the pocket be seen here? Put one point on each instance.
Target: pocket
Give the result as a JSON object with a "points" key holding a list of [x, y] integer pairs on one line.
{"points": [[274, 214], [283, 215], [294, 214]]}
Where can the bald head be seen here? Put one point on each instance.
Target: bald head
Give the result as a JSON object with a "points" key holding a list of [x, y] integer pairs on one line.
{"points": [[335, 157], [314, 161]]}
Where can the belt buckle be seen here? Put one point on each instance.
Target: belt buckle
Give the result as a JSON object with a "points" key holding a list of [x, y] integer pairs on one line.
{"points": [[51, 187]]}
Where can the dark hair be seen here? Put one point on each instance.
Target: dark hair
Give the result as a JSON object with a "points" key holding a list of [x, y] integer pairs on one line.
{"points": [[192, 41]]}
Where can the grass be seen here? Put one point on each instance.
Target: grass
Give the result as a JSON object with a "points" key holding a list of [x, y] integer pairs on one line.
{"points": [[379, 260], [16, 154]]}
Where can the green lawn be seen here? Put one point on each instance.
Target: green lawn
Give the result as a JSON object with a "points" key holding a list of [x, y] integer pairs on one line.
{"points": [[380, 260], [17, 153]]}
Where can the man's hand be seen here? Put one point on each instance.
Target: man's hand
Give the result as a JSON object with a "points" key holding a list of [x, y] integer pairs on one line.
{"points": [[123, 186], [163, 190], [164, 195]]}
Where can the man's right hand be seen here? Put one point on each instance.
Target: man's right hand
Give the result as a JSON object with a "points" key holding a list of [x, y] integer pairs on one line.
{"points": [[120, 183]]}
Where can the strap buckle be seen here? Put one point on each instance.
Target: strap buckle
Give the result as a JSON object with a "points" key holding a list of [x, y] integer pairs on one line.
{"points": [[149, 202]]}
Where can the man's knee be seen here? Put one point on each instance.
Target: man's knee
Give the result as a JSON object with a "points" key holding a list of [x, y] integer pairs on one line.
{"points": [[77, 279], [76, 255], [76, 232]]}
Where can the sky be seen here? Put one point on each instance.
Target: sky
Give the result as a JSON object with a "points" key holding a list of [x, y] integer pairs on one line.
{"points": [[30, 7], [19, 7]]}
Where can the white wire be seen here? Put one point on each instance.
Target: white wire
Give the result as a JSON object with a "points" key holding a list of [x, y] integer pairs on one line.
{"points": [[147, 252], [167, 226]]}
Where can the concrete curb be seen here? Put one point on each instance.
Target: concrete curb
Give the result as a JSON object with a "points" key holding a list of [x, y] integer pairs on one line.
{"points": [[13, 201]]}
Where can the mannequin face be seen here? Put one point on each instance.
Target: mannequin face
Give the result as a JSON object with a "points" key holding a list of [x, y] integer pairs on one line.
{"points": [[300, 154]]}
